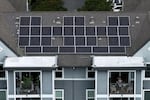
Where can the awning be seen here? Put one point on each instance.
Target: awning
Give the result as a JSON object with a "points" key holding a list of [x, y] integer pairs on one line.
{"points": [[118, 62], [31, 62]]}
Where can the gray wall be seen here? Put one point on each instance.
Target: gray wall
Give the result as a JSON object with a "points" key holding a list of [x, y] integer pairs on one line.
{"points": [[102, 82], [101, 98], [3, 84], [74, 90], [75, 73], [47, 99], [146, 84], [47, 82], [138, 82], [11, 82]]}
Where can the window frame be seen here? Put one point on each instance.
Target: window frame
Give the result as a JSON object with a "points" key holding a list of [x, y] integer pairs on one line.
{"points": [[62, 71], [60, 90], [90, 71]]}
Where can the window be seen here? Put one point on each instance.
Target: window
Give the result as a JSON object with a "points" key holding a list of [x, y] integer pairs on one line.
{"points": [[147, 71], [2, 95], [59, 94], [121, 99], [90, 72], [90, 94], [27, 82], [59, 72], [147, 95], [121, 82], [2, 72]]}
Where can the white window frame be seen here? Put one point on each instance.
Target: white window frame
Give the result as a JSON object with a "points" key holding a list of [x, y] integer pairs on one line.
{"points": [[62, 90], [145, 90], [87, 90], [146, 78], [121, 95], [4, 90], [15, 96], [87, 71], [59, 71]]}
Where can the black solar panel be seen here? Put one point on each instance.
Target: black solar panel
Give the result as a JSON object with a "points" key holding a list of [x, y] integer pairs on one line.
{"points": [[35, 41], [91, 41], [68, 20], [79, 20], [83, 49], [90, 30], [23, 41], [67, 49], [100, 49], [24, 20], [33, 49], [101, 30], [35, 20], [112, 30], [57, 30], [117, 50], [35, 30], [68, 30], [69, 41], [50, 49], [80, 41], [113, 41], [124, 20], [46, 41], [113, 21], [123, 31], [24, 30], [124, 41], [79, 30], [46, 30]]}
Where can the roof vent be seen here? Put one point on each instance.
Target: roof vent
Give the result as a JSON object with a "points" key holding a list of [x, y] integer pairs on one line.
{"points": [[91, 20], [57, 20], [137, 20]]}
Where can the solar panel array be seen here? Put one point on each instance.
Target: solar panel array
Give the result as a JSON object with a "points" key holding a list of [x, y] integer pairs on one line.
{"points": [[74, 37]]}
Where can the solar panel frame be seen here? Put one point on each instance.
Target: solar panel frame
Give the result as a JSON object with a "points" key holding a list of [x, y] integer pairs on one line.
{"points": [[113, 21], [36, 20], [26, 21], [112, 30], [100, 50], [113, 41], [69, 41], [90, 30], [50, 49], [57, 31], [79, 30], [25, 41], [66, 49], [68, 20], [47, 31], [101, 30], [83, 50], [24, 30], [68, 31], [35, 31], [46, 41], [117, 50], [79, 20], [91, 41], [35, 41], [124, 20], [80, 41], [125, 41], [123, 31], [33, 50]]}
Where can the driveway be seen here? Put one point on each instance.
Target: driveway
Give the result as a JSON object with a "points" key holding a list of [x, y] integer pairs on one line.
{"points": [[73, 5]]}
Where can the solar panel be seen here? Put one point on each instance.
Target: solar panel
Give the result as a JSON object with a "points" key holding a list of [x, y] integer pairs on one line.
{"points": [[35, 30], [46, 30], [68, 20], [91, 41], [57, 41], [123, 31], [83, 49], [46, 41], [113, 21], [90, 30], [25, 21], [79, 30], [35, 41], [66, 49], [101, 30], [24, 30], [33, 49], [102, 41], [80, 41], [100, 49], [124, 41], [68, 30], [57, 30], [68, 40], [50, 49], [112, 30], [113, 41], [124, 21], [35, 20], [23, 41], [79, 20], [117, 50]]}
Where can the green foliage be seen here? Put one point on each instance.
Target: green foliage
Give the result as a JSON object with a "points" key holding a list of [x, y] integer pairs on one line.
{"points": [[27, 82], [47, 5], [96, 5]]}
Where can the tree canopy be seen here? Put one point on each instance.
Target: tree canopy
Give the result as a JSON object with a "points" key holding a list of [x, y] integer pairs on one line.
{"points": [[96, 5], [47, 5]]}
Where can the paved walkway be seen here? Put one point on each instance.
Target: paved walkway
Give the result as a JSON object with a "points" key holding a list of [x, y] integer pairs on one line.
{"points": [[5, 6], [73, 5]]}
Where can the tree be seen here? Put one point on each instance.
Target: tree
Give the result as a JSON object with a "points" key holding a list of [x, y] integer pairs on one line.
{"points": [[96, 5], [47, 5]]}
